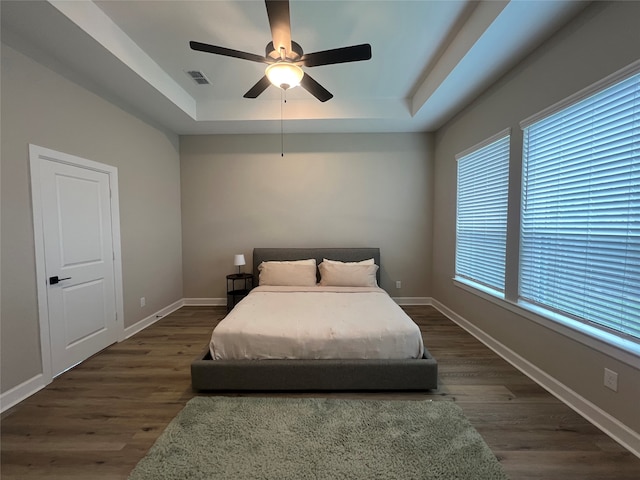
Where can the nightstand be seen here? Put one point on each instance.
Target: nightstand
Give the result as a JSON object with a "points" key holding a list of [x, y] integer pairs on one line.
{"points": [[238, 286]]}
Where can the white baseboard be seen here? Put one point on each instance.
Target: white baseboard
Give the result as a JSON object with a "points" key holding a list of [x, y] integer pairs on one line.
{"points": [[205, 302], [18, 393], [413, 300], [610, 425], [151, 319]]}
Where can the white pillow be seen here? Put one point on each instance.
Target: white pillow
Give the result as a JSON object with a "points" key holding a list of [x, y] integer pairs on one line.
{"points": [[348, 274], [369, 261], [297, 273]]}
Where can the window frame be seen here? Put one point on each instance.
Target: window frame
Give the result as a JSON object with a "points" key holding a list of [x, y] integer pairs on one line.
{"points": [[469, 280], [618, 346]]}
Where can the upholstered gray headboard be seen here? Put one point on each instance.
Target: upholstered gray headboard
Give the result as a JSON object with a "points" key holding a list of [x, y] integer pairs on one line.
{"points": [[341, 254]]}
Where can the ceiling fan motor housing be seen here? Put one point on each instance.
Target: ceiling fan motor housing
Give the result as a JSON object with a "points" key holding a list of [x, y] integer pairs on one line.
{"points": [[294, 55]]}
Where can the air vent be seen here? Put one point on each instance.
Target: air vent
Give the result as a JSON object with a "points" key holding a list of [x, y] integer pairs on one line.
{"points": [[198, 77]]}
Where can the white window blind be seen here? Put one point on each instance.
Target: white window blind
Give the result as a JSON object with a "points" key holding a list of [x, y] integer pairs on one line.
{"points": [[481, 225], [580, 225]]}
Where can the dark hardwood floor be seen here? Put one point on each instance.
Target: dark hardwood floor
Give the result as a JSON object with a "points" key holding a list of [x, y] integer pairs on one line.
{"points": [[98, 420]]}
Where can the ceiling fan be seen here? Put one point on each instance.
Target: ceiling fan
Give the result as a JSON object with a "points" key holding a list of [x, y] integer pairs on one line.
{"points": [[285, 57]]}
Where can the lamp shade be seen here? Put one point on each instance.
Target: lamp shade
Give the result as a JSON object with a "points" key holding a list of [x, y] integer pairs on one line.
{"points": [[284, 75], [238, 260]]}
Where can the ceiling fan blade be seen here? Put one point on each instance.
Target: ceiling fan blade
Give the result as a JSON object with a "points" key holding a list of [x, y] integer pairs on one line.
{"points": [[355, 53], [315, 89], [258, 88], [227, 52], [280, 23]]}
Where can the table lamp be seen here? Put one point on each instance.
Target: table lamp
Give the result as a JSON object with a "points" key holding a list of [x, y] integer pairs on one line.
{"points": [[238, 261]]}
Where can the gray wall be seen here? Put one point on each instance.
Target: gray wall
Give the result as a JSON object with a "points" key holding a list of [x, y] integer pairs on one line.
{"points": [[43, 108], [370, 190], [600, 41]]}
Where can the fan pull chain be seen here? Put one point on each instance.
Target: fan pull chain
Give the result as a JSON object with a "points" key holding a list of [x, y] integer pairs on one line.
{"points": [[283, 100]]}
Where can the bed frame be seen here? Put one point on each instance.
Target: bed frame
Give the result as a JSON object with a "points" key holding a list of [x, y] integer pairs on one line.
{"points": [[308, 375]]}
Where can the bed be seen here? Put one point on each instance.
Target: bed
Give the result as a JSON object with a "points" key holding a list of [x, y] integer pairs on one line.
{"points": [[402, 363]]}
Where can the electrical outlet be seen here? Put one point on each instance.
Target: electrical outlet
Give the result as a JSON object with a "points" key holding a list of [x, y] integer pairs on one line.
{"points": [[143, 302], [611, 379], [398, 284]]}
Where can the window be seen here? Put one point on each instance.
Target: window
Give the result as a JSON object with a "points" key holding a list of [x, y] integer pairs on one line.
{"points": [[580, 211], [481, 226]]}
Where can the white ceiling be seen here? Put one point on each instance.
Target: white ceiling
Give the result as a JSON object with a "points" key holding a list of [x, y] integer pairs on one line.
{"points": [[429, 58]]}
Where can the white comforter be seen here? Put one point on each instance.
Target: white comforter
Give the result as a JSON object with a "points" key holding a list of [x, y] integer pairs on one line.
{"points": [[316, 323]]}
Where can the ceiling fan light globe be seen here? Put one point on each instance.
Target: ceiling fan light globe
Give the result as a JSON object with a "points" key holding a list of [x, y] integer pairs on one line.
{"points": [[284, 75]]}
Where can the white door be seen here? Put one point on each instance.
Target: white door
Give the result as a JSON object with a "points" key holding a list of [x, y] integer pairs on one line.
{"points": [[78, 261]]}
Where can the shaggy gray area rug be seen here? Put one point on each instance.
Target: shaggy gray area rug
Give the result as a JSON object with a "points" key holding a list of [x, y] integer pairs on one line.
{"points": [[241, 438]]}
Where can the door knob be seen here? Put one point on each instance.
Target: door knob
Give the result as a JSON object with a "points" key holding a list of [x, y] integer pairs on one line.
{"points": [[55, 280]]}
